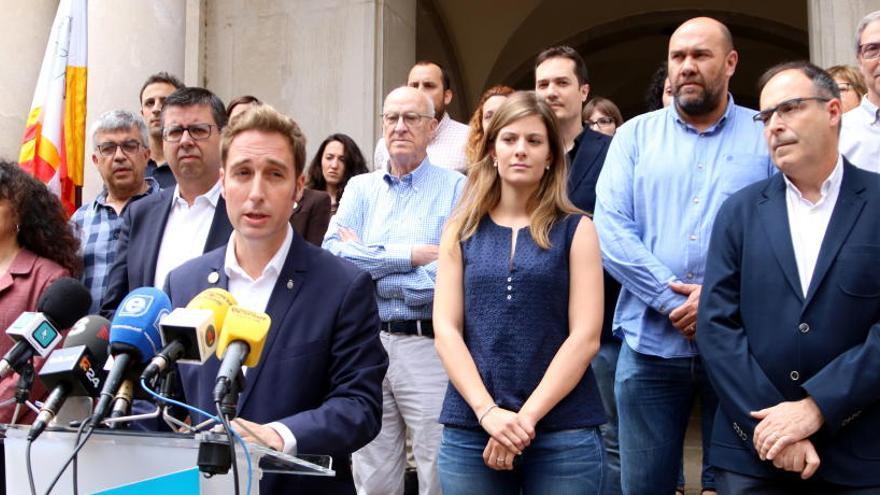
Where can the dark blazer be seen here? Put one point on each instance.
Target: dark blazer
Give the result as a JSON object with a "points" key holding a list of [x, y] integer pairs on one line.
{"points": [[312, 215], [589, 151], [322, 366], [763, 342], [139, 241]]}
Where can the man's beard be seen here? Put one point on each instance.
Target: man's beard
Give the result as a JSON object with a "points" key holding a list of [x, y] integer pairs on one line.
{"points": [[699, 104]]}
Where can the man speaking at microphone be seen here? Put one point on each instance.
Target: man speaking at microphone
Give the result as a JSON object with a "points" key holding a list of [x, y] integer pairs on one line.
{"points": [[317, 388]]}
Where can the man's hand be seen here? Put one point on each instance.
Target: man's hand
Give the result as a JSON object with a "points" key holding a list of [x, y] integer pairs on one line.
{"points": [[799, 457], [784, 424], [259, 434], [422, 254], [508, 429], [497, 456], [348, 235], [684, 317]]}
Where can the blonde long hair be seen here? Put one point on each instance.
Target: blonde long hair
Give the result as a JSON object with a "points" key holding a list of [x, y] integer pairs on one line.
{"points": [[549, 202]]}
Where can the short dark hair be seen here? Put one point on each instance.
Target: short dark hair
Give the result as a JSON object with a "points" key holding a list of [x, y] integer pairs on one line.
{"points": [[193, 96], [822, 81], [241, 100], [444, 76], [563, 51], [160, 77]]}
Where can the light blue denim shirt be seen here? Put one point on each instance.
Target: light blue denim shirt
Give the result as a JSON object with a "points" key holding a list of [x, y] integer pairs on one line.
{"points": [[390, 215], [656, 199]]}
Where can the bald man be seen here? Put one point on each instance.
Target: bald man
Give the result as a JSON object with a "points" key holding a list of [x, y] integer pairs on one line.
{"points": [[666, 174]]}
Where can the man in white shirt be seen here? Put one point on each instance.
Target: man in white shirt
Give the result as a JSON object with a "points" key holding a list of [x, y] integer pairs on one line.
{"points": [[318, 386], [789, 329], [860, 131], [446, 148], [166, 229]]}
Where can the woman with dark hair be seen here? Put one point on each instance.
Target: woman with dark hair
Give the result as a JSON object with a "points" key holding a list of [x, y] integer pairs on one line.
{"points": [[659, 93], [489, 102], [37, 247], [338, 159]]}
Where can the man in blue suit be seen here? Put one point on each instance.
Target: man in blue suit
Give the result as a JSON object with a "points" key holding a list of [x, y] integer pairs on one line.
{"points": [[318, 386], [788, 326], [181, 222]]}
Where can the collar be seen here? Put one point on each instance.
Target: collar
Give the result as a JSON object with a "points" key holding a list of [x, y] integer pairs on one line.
{"points": [[871, 112], [828, 186], [442, 125], [672, 111], [152, 187], [272, 269], [23, 263], [212, 196], [413, 178]]}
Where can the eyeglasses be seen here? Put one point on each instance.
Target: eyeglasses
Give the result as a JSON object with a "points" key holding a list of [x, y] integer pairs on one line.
{"points": [[786, 109], [409, 118], [198, 132], [108, 148], [869, 50], [601, 122]]}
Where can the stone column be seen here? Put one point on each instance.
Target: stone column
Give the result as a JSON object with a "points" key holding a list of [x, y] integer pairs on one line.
{"points": [[833, 26], [327, 64], [24, 36]]}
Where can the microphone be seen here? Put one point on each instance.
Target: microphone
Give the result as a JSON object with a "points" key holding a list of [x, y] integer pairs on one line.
{"points": [[62, 303], [75, 369], [241, 343], [134, 340], [190, 334]]}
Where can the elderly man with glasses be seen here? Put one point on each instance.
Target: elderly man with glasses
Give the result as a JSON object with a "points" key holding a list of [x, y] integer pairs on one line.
{"points": [[389, 223], [860, 131], [184, 221], [120, 155]]}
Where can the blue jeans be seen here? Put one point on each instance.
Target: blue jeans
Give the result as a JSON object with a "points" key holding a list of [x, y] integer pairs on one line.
{"points": [[654, 399], [556, 463], [604, 368]]}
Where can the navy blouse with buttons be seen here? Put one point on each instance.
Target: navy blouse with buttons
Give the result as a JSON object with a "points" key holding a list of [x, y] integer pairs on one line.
{"points": [[516, 319]]}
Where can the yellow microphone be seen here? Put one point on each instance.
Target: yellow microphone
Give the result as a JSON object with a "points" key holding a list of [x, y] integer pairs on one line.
{"points": [[241, 344], [189, 335]]}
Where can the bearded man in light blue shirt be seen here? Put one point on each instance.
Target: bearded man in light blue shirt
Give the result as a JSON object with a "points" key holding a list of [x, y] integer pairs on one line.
{"points": [[666, 174]]}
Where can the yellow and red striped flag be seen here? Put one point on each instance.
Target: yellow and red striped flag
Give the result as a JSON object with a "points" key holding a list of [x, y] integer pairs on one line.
{"points": [[53, 147]]}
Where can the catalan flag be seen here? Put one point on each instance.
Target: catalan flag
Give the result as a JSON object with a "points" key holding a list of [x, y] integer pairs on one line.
{"points": [[53, 147]]}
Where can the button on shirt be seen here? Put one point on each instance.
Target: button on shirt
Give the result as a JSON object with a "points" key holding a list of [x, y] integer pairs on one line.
{"points": [[808, 222], [186, 231], [254, 294], [445, 150], [860, 136], [391, 214], [657, 196], [97, 226]]}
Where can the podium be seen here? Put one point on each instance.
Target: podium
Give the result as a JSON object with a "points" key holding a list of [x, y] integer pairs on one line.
{"points": [[115, 462]]}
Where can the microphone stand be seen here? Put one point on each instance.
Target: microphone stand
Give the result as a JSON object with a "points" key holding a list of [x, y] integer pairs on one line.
{"points": [[23, 389]]}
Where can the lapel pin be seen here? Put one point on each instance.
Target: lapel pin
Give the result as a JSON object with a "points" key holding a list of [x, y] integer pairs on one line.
{"points": [[290, 284], [213, 277]]}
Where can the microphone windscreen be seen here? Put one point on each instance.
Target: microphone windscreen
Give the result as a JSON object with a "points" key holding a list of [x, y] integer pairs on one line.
{"points": [[216, 300], [246, 326], [65, 301], [136, 322], [92, 331]]}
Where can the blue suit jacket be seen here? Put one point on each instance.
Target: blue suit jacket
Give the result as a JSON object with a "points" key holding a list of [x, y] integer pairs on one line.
{"points": [[321, 369], [763, 342], [139, 242]]}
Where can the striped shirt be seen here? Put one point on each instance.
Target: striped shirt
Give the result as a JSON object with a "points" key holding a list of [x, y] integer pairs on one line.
{"points": [[389, 215], [97, 226]]}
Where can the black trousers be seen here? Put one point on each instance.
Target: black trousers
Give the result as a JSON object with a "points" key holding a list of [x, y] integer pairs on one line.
{"points": [[730, 483]]}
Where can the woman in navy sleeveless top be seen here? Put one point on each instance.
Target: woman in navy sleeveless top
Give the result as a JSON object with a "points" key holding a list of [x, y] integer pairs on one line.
{"points": [[517, 319]]}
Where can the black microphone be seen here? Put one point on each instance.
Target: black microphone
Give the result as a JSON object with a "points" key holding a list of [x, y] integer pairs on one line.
{"points": [[62, 303], [75, 370], [134, 340]]}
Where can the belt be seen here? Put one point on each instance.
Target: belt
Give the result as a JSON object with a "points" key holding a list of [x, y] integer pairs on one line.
{"points": [[422, 328]]}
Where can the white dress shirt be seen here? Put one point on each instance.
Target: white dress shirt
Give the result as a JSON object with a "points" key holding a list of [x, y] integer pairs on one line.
{"points": [[254, 294], [860, 136], [186, 231], [445, 150], [808, 221]]}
